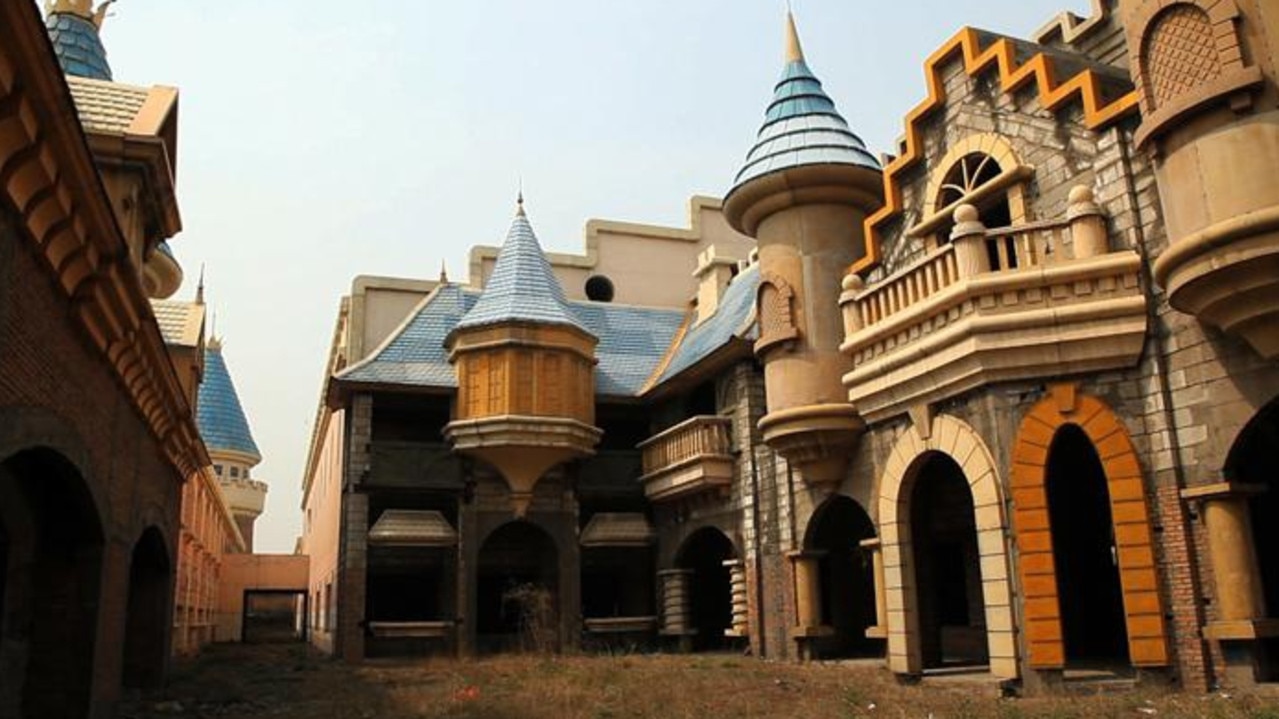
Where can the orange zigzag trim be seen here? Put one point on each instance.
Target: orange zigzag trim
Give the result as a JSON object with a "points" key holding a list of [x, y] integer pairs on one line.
{"points": [[1038, 69]]}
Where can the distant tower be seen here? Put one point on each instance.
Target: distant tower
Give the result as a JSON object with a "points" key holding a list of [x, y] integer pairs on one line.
{"points": [[803, 192], [525, 371], [231, 447]]}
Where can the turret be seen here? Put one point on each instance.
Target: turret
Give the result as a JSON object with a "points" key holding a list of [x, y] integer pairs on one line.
{"points": [[1207, 74], [525, 371], [803, 192], [226, 433]]}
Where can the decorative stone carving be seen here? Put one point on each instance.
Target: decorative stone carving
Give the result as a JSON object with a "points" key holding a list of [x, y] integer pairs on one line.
{"points": [[1179, 53], [776, 312]]}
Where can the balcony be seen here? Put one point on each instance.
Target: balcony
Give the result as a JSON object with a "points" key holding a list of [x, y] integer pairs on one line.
{"points": [[689, 458], [1039, 300]]}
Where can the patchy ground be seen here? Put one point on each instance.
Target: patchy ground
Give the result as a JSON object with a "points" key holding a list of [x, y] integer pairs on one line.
{"points": [[290, 682]]}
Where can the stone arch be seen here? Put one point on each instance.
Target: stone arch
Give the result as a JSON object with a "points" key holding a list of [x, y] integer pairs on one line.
{"points": [[1189, 52], [991, 144], [146, 638], [954, 438], [840, 552], [775, 310], [711, 563], [1143, 607], [31, 428], [520, 588]]}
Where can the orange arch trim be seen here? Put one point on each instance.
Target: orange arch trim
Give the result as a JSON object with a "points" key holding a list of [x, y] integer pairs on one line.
{"points": [[1143, 607], [1001, 55]]}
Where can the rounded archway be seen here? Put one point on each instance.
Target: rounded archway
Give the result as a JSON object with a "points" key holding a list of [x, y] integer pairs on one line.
{"points": [[1089, 593], [704, 555], [147, 617], [1253, 461], [53, 567], [518, 590], [846, 575], [948, 581]]}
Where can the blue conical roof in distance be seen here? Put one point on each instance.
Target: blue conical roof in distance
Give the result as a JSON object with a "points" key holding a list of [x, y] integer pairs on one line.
{"points": [[221, 417]]}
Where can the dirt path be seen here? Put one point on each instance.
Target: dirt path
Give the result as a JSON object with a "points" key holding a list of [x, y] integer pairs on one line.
{"points": [[290, 682]]}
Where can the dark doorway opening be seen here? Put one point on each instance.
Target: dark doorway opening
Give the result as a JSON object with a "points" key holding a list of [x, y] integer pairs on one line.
{"points": [[147, 618], [4, 578], [711, 591], [274, 616], [1254, 459], [952, 619], [53, 579], [1089, 592], [518, 590], [847, 577]]}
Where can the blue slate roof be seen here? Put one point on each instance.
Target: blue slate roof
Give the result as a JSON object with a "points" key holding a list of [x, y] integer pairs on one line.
{"points": [[78, 46], [522, 287], [632, 341], [735, 317], [801, 126], [221, 418]]}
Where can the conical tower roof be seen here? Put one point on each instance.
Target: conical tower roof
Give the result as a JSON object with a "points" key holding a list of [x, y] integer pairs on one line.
{"points": [[801, 126], [522, 287], [73, 28], [221, 417]]}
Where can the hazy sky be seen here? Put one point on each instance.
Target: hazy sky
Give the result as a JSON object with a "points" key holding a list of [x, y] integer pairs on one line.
{"points": [[322, 140]]}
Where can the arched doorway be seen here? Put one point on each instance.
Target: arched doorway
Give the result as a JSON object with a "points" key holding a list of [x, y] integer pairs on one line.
{"points": [[52, 580], [846, 574], [943, 530], [147, 617], [518, 590], [704, 554], [1089, 592], [1254, 460]]}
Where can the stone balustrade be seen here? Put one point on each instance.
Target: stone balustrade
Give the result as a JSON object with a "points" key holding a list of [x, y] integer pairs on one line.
{"points": [[693, 456], [1042, 299]]}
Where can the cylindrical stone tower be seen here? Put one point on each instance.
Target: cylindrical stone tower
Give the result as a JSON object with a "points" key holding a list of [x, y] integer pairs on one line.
{"points": [[805, 189]]}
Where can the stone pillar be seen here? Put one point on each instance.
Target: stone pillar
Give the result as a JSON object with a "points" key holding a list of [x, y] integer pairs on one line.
{"points": [[677, 605], [741, 607], [1087, 226], [1238, 592], [808, 588], [969, 239], [875, 549]]}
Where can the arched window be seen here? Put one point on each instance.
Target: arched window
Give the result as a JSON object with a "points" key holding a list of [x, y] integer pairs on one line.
{"points": [[970, 180], [775, 313]]}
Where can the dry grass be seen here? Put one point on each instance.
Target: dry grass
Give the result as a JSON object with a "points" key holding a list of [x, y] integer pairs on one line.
{"points": [[289, 683]]}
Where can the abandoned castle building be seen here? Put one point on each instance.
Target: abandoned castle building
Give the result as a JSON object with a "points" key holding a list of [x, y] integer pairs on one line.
{"points": [[1004, 398]]}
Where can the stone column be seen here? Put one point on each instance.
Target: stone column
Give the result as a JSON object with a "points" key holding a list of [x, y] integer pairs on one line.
{"points": [[808, 588], [969, 239], [1087, 226], [677, 605], [741, 608], [1239, 595], [874, 548]]}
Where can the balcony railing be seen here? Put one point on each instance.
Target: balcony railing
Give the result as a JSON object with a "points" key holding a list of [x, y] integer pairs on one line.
{"points": [[693, 456], [1020, 302]]}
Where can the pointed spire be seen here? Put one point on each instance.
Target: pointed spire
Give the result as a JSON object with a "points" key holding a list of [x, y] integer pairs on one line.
{"points": [[794, 51], [801, 125], [444, 272], [199, 288], [522, 287]]}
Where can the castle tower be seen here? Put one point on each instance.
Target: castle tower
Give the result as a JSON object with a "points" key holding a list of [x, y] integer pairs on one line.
{"points": [[803, 192], [135, 154], [525, 369], [1207, 73], [226, 433]]}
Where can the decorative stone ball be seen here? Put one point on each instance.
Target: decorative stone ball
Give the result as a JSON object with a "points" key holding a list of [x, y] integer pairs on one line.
{"points": [[1080, 195], [853, 282], [966, 213]]}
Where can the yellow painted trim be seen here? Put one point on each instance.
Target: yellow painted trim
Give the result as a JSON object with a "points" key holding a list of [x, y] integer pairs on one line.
{"points": [[1039, 69]]}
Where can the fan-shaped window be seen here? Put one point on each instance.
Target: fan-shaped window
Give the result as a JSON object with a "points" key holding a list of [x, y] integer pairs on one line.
{"points": [[969, 180]]}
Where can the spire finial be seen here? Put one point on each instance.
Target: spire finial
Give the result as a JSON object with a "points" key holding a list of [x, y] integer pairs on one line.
{"points": [[444, 272], [794, 51], [519, 199], [81, 8], [199, 288]]}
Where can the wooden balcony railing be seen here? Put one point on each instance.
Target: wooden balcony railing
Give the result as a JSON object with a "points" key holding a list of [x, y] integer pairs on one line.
{"points": [[688, 457]]}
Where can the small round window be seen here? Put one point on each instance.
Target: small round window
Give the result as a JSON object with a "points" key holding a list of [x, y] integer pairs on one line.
{"points": [[599, 289]]}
